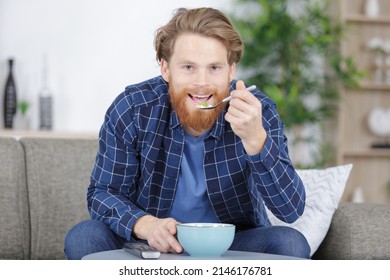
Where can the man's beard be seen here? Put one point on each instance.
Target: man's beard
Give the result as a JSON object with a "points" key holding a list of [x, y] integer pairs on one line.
{"points": [[194, 118]]}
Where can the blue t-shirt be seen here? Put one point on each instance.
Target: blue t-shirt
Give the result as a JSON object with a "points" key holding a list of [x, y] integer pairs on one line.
{"points": [[191, 203]]}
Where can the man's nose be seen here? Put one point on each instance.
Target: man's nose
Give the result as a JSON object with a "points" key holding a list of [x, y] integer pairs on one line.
{"points": [[202, 78]]}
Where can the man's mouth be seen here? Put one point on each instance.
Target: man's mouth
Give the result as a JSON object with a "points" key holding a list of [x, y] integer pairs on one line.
{"points": [[198, 98]]}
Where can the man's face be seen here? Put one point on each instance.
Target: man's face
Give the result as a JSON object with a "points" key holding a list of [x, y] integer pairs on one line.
{"points": [[197, 71]]}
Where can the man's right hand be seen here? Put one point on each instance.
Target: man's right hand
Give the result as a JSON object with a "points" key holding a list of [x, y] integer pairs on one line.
{"points": [[160, 233]]}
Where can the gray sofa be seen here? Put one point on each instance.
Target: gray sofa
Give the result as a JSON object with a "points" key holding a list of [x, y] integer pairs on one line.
{"points": [[43, 185]]}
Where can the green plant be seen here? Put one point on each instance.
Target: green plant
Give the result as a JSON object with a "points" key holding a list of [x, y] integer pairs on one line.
{"points": [[23, 106], [294, 57], [292, 54]]}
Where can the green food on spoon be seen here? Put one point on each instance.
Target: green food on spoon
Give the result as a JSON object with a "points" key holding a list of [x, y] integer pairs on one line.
{"points": [[203, 104]]}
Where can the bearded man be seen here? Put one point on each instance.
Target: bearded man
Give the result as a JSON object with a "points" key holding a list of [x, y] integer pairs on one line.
{"points": [[163, 161]]}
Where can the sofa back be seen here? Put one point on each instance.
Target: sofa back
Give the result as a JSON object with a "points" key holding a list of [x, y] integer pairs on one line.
{"points": [[14, 210], [43, 185], [58, 173]]}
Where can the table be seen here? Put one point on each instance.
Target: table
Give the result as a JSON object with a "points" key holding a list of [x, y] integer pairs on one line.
{"points": [[120, 254]]}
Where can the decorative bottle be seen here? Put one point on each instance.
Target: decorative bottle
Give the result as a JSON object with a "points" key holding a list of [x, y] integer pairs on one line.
{"points": [[45, 101], [371, 8], [9, 97]]}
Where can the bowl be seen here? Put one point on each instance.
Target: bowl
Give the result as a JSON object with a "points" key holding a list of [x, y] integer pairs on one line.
{"points": [[205, 239]]}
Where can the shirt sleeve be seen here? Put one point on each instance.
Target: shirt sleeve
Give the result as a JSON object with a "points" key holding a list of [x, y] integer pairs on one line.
{"points": [[274, 176], [116, 171]]}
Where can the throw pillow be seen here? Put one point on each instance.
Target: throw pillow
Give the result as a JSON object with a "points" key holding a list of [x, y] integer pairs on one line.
{"points": [[324, 188]]}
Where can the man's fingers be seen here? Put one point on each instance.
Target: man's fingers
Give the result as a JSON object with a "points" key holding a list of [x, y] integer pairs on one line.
{"points": [[240, 85], [163, 238]]}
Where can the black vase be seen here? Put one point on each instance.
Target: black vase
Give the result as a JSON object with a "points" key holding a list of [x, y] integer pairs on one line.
{"points": [[9, 98]]}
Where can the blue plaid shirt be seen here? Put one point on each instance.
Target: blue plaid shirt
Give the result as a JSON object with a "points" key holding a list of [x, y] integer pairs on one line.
{"points": [[138, 163]]}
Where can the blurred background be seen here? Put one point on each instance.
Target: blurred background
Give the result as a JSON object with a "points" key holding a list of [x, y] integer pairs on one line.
{"points": [[94, 48], [326, 64]]}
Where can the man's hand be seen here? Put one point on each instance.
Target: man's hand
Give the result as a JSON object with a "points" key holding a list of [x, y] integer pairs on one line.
{"points": [[160, 233], [245, 118]]}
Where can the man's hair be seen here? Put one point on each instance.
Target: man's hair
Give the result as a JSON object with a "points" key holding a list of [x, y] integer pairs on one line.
{"points": [[207, 22]]}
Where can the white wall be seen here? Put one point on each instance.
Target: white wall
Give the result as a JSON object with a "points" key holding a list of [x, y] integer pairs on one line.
{"points": [[95, 48]]}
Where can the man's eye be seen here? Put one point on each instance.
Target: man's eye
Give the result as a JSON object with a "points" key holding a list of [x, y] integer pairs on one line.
{"points": [[188, 67], [215, 68]]}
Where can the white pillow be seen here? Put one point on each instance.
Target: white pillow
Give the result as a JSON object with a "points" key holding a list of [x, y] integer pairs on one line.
{"points": [[324, 189]]}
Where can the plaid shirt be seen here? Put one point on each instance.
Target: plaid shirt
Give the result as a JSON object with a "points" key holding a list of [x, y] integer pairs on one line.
{"points": [[138, 163]]}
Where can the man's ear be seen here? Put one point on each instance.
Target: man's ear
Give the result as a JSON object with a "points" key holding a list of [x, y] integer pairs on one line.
{"points": [[232, 72], [164, 69]]}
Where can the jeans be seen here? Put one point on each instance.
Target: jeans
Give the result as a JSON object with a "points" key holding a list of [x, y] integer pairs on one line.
{"points": [[93, 236]]}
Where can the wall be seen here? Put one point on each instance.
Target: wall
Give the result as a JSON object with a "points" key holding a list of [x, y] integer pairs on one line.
{"points": [[94, 48]]}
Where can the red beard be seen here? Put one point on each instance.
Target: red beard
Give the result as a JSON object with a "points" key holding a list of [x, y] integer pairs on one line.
{"points": [[194, 118]]}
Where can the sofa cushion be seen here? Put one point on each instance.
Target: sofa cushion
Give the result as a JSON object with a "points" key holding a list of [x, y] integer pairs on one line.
{"points": [[359, 231], [14, 218], [58, 173], [324, 188]]}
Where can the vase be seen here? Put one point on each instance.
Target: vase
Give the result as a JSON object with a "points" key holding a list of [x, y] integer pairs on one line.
{"points": [[379, 65], [371, 8], [10, 99]]}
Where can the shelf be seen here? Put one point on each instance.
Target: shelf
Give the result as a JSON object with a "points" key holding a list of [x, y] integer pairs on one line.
{"points": [[373, 86], [46, 134], [368, 153], [365, 19], [370, 86], [370, 165]]}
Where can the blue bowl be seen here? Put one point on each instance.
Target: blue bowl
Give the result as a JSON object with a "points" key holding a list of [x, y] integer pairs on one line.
{"points": [[205, 239]]}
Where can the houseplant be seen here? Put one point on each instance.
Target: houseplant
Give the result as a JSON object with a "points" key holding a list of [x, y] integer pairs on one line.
{"points": [[22, 121], [291, 54]]}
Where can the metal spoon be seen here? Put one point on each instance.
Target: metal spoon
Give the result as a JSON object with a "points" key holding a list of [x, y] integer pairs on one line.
{"points": [[227, 99]]}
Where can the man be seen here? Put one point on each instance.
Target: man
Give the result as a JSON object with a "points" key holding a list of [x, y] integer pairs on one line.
{"points": [[163, 161]]}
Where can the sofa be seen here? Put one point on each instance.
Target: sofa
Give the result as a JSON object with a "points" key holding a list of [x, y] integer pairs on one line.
{"points": [[43, 184]]}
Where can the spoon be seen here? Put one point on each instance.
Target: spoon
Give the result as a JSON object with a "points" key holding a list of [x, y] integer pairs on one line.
{"points": [[227, 99]]}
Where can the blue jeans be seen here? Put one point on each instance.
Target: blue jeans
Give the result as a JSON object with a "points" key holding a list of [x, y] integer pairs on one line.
{"points": [[93, 236]]}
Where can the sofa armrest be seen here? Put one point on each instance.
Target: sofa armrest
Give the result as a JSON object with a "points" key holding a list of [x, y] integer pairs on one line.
{"points": [[14, 212], [358, 231]]}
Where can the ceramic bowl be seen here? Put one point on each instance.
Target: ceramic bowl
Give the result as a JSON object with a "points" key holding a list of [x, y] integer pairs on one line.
{"points": [[205, 239]]}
